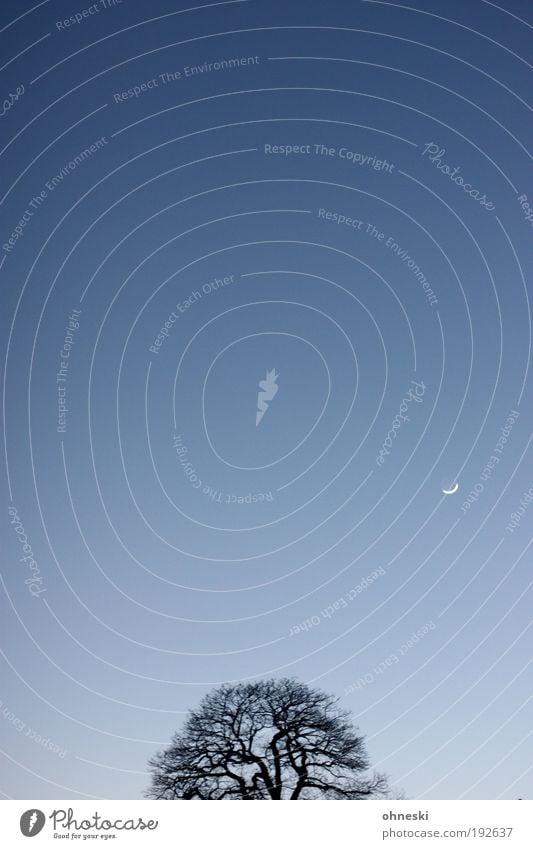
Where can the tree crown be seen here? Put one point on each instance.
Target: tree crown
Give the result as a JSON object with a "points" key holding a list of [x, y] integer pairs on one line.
{"points": [[272, 739]]}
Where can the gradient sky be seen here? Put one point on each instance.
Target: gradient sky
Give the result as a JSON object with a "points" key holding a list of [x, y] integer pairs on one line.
{"points": [[178, 544]]}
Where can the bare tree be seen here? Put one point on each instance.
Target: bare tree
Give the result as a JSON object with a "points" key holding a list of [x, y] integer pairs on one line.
{"points": [[274, 739]]}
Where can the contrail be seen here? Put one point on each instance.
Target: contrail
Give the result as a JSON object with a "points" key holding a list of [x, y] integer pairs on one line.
{"points": [[269, 388]]}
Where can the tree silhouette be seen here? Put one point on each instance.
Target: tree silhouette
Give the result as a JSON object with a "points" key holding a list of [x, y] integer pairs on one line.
{"points": [[274, 739]]}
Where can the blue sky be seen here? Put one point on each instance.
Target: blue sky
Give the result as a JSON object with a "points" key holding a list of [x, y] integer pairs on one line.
{"points": [[290, 207]]}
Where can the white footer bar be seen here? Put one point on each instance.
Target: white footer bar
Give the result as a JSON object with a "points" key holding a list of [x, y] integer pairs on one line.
{"points": [[230, 825]]}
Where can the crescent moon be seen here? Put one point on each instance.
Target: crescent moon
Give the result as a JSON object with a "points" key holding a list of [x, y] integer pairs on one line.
{"points": [[451, 491]]}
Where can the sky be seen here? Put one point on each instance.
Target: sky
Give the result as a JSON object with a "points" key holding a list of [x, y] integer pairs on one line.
{"points": [[322, 213]]}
